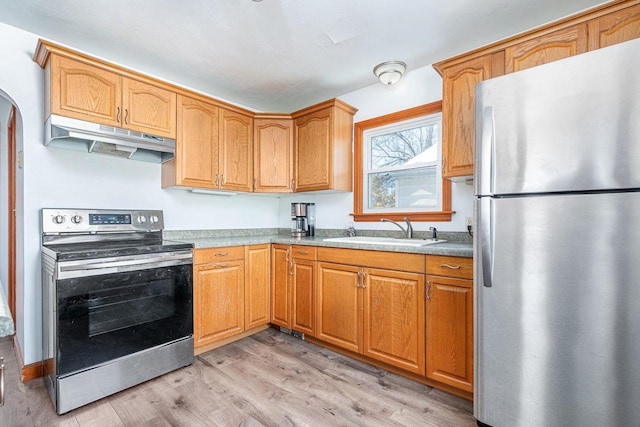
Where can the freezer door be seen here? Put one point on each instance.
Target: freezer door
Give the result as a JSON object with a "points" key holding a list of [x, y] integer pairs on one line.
{"points": [[570, 125], [558, 332]]}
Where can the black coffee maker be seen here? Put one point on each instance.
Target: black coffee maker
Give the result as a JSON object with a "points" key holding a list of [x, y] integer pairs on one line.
{"points": [[303, 219]]}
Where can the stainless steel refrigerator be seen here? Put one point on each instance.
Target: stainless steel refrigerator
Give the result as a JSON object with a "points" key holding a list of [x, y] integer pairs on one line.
{"points": [[557, 243]]}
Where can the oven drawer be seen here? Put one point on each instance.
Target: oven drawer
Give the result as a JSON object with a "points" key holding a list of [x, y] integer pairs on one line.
{"points": [[227, 253]]}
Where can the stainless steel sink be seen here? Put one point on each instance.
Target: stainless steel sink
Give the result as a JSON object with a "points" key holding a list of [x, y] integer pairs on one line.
{"points": [[390, 241]]}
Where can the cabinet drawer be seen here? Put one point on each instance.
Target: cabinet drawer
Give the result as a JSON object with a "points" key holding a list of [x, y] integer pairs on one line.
{"points": [[228, 253], [450, 266], [397, 261], [304, 252]]}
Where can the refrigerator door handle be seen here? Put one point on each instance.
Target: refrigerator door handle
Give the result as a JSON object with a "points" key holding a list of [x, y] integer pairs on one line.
{"points": [[487, 154], [486, 239]]}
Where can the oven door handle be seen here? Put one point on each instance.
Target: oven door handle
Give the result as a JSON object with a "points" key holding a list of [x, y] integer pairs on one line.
{"points": [[86, 268]]}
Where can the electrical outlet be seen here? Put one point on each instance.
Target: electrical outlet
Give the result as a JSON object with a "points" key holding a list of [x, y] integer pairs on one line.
{"points": [[469, 221]]}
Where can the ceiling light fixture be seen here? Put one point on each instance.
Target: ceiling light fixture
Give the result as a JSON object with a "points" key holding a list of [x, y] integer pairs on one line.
{"points": [[390, 73]]}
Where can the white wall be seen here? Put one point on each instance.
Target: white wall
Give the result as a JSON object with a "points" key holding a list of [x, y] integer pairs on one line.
{"points": [[417, 87]]}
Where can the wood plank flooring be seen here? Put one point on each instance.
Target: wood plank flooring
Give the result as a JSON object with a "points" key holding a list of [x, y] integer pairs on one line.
{"points": [[268, 379]]}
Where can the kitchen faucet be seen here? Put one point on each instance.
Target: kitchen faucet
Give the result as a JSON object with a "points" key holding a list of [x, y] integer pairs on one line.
{"points": [[408, 232]]}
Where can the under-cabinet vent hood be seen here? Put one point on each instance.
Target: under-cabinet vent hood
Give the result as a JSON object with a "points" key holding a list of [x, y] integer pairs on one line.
{"points": [[79, 135]]}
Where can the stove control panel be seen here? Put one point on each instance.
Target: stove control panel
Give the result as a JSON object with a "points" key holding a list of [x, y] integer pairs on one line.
{"points": [[96, 220]]}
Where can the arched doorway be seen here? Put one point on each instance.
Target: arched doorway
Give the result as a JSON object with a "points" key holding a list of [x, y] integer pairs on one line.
{"points": [[8, 154]]}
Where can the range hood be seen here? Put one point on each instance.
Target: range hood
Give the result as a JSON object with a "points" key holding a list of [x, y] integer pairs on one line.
{"points": [[79, 135]]}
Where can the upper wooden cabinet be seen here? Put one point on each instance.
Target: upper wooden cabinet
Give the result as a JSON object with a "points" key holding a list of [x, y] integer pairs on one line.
{"points": [[88, 92], [197, 146], [323, 147], [273, 154], [213, 148], [236, 151], [615, 27], [607, 24], [458, 101], [546, 48]]}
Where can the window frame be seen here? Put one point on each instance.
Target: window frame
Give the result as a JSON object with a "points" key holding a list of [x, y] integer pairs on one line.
{"points": [[358, 147]]}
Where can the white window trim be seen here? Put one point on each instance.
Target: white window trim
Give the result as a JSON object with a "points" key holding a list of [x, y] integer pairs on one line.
{"points": [[427, 120]]}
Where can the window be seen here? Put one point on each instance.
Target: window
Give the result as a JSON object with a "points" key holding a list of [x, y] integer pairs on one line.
{"points": [[398, 167]]}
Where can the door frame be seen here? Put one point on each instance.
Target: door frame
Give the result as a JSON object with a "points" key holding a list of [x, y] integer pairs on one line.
{"points": [[11, 214]]}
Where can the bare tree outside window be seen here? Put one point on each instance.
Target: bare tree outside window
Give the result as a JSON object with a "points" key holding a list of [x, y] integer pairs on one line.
{"points": [[402, 167]]}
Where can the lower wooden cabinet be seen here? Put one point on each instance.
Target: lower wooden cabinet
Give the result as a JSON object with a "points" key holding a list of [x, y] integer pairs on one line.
{"points": [[293, 288], [231, 291], [339, 318], [257, 285], [218, 289], [449, 343], [378, 313]]}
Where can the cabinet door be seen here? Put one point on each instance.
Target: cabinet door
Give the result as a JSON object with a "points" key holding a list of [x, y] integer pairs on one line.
{"points": [[394, 325], [85, 92], [148, 108], [339, 304], [218, 301], [273, 156], [450, 331], [303, 283], [257, 285], [236, 151], [313, 151], [550, 47], [196, 161], [280, 285], [458, 115], [616, 27]]}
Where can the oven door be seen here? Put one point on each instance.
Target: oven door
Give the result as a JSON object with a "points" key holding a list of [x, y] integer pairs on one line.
{"points": [[109, 308]]}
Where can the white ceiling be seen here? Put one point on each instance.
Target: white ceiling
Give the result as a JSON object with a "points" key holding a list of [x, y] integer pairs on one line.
{"points": [[278, 55]]}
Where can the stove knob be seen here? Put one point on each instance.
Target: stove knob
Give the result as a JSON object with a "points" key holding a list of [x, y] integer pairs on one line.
{"points": [[142, 219], [154, 219], [76, 219], [58, 219]]}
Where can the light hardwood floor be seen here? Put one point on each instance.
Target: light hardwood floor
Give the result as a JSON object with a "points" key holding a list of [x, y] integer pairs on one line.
{"points": [[269, 379]]}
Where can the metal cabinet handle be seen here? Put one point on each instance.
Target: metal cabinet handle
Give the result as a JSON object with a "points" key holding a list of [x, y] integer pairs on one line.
{"points": [[303, 252], [224, 265], [217, 185], [288, 256], [126, 116], [428, 293], [290, 268], [1, 381], [118, 115], [358, 280], [364, 280], [457, 267], [222, 254], [293, 181]]}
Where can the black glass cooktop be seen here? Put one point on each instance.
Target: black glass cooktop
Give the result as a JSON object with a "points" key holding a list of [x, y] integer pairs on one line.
{"points": [[116, 248]]}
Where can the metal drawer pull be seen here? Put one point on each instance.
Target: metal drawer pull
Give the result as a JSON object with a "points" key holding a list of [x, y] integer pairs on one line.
{"points": [[118, 115], [428, 289], [288, 256], [290, 268], [222, 254], [457, 267], [358, 280], [1, 381], [225, 265], [303, 252], [364, 280]]}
